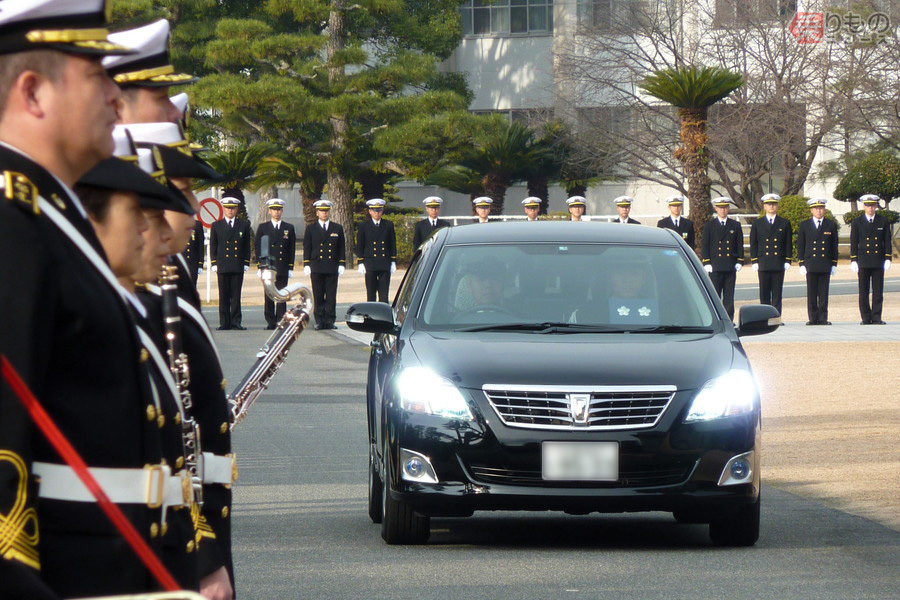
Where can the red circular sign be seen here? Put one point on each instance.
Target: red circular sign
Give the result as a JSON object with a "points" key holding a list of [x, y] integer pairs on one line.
{"points": [[210, 211]]}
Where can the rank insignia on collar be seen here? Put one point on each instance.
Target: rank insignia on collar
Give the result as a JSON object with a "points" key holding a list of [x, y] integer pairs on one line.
{"points": [[58, 201], [17, 186]]}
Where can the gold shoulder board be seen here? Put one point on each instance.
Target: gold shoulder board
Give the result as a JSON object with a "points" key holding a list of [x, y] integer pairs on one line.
{"points": [[17, 186]]}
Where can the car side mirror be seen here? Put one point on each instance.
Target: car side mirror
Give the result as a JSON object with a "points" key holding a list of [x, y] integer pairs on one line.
{"points": [[757, 319], [371, 317]]}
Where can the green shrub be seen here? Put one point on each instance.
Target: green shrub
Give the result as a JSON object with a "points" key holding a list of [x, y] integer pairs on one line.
{"points": [[892, 216], [795, 210]]}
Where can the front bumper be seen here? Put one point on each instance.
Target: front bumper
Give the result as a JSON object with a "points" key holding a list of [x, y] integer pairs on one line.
{"points": [[485, 465]]}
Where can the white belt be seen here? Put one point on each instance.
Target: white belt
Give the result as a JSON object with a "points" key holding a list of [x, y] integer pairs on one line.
{"points": [[154, 486], [219, 469]]}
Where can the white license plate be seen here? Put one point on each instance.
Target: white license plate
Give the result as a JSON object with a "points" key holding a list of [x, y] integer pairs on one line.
{"points": [[580, 461]]}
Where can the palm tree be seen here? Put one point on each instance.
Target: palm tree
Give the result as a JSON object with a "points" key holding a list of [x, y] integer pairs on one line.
{"points": [[692, 90], [239, 167], [503, 155], [289, 168]]}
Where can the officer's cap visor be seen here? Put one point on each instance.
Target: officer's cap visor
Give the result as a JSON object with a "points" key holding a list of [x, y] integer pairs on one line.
{"points": [[122, 176]]}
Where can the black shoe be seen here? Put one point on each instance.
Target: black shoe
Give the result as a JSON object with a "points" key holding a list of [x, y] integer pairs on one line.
{"points": [[319, 328], [811, 323], [824, 322], [240, 328], [865, 322], [222, 328], [332, 326], [878, 323], [270, 327]]}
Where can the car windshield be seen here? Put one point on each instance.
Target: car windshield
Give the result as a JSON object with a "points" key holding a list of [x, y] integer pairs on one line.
{"points": [[564, 288]]}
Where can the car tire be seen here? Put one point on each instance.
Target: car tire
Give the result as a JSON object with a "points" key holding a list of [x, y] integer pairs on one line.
{"points": [[399, 524], [375, 488], [739, 529]]}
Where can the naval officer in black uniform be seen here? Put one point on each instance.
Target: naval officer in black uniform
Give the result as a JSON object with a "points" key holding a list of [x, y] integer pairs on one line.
{"points": [[229, 250], [817, 249], [722, 251], [427, 226], [677, 223], [166, 141], [870, 258], [376, 251], [282, 252], [67, 328], [576, 205], [324, 259], [147, 75], [771, 251], [623, 207], [532, 206], [193, 254]]}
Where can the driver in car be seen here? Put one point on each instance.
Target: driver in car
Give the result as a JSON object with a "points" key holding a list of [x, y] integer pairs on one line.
{"points": [[481, 289]]}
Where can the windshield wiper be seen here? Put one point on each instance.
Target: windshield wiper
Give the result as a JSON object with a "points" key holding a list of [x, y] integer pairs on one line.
{"points": [[672, 329], [545, 327]]}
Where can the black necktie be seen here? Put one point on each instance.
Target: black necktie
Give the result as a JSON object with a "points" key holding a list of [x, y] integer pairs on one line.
{"points": [[231, 224], [325, 227]]}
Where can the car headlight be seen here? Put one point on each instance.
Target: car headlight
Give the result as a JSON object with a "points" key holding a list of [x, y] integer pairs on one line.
{"points": [[728, 395], [422, 391]]}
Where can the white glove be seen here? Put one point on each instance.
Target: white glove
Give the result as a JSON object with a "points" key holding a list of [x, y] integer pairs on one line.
{"points": [[199, 271], [854, 266], [755, 266], [833, 270], [307, 270], [246, 268], [215, 269], [738, 267], [707, 268], [340, 270], [787, 266], [259, 273], [361, 268], [290, 273], [887, 265], [802, 270], [394, 267]]}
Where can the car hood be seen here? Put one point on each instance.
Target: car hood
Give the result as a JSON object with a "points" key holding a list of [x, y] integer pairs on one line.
{"points": [[473, 359]]}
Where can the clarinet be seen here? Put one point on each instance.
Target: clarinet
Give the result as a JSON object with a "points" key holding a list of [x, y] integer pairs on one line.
{"points": [[178, 364]]}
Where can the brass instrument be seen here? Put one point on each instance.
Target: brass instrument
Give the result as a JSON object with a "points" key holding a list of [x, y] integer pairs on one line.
{"points": [[178, 365], [275, 350]]}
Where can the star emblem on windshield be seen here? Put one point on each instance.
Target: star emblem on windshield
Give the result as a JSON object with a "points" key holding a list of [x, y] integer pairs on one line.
{"points": [[644, 311], [624, 311]]}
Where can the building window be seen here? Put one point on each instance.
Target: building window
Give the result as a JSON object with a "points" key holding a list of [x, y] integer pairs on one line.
{"points": [[608, 15], [502, 17], [746, 12]]}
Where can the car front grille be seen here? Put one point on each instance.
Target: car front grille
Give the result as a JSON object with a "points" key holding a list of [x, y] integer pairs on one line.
{"points": [[554, 407], [631, 478]]}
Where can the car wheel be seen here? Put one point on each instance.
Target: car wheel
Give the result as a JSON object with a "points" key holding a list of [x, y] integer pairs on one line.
{"points": [[375, 488], [739, 529], [399, 524]]}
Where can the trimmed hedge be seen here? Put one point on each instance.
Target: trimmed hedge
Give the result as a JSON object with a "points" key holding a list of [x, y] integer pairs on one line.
{"points": [[892, 216]]}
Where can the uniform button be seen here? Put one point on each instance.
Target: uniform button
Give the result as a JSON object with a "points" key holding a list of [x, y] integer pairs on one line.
{"points": [[178, 418], [154, 530], [179, 462], [190, 546], [165, 528], [223, 427], [151, 412], [145, 356], [160, 421], [223, 384], [224, 512]]}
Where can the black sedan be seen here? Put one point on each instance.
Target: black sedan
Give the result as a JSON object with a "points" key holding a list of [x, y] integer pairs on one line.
{"points": [[581, 367]]}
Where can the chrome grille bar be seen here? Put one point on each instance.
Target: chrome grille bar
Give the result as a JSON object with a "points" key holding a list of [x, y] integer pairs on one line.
{"points": [[549, 407]]}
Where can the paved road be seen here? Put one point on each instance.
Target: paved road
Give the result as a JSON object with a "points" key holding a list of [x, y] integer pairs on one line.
{"points": [[300, 528]]}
